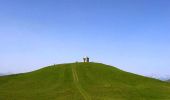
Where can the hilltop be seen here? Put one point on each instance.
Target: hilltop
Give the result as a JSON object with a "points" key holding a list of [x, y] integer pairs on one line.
{"points": [[82, 81]]}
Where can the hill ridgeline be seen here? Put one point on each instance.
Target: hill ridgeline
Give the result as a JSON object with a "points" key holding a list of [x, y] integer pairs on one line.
{"points": [[82, 81]]}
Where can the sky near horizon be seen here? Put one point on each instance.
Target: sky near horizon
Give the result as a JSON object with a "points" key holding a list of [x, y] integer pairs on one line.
{"points": [[133, 35]]}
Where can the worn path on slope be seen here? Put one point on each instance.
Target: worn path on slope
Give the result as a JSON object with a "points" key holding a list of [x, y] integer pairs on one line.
{"points": [[78, 85]]}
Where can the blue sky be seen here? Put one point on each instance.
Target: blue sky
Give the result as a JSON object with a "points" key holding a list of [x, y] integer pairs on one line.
{"points": [[133, 35]]}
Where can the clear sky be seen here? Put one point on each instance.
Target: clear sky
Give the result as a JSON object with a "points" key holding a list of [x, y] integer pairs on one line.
{"points": [[133, 35]]}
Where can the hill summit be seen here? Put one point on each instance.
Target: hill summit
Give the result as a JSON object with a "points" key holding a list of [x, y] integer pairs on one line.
{"points": [[82, 81]]}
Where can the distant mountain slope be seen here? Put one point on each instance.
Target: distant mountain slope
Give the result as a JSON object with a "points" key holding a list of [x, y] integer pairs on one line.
{"points": [[82, 81], [3, 74]]}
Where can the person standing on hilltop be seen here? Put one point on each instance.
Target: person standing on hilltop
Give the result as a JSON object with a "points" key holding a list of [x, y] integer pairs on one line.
{"points": [[86, 59]]}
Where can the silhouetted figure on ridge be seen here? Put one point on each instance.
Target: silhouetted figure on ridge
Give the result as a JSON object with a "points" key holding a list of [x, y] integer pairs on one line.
{"points": [[86, 59]]}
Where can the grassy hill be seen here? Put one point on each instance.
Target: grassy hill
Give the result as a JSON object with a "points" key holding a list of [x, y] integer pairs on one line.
{"points": [[82, 81]]}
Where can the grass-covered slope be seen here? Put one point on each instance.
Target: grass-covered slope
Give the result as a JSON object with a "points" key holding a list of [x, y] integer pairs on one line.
{"points": [[82, 81]]}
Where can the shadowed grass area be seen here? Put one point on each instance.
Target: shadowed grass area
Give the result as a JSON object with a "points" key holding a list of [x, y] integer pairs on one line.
{"points": [[82, 81]]}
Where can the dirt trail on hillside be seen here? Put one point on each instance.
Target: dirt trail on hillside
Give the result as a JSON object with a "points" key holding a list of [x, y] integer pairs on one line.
{"points": [[78, 85]]}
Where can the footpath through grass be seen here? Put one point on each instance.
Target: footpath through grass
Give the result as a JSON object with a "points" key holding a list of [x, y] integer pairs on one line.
{"points": [[77, 84], [82, 81]]}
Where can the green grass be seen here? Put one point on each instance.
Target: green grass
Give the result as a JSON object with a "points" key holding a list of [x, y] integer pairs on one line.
{"points": [[82, 81]]}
